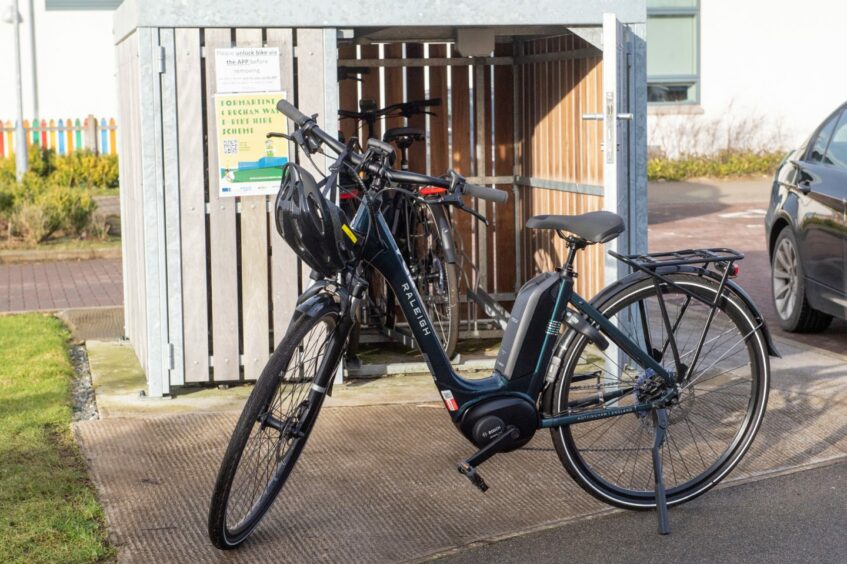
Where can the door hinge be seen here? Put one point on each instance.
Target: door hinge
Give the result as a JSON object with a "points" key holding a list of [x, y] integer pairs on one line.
{"points": [[171, 361], [162, 57]]}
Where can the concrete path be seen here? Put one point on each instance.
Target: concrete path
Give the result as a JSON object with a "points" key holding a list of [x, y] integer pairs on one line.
{"points": [[379, 484], [60, 285]]}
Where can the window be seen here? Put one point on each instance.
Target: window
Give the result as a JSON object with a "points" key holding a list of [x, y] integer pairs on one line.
{"points": [[816, 155], [836, 152], [673, 51], [82, 4]]}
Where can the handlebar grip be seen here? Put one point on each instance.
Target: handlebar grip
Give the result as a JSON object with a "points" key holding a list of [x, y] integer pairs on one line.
{"points": [[292, 112], [490, 194]]}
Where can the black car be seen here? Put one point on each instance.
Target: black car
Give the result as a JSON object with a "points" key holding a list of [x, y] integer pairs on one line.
{"points": [[806, 225]]}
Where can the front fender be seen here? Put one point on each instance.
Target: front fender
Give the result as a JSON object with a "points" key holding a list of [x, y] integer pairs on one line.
{"points": [[315, 301]]}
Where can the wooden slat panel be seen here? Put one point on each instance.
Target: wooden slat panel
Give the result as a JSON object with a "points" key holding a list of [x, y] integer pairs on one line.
{"points": [[370, 88], [393, 86], [310, 100], [504, 236], [559, 145], [284, 268], [132, 206], [192, 206], [438, 124], [415, 91], [222, 235], [461, 160], [255, 311], [487, 146], [348, 95]]}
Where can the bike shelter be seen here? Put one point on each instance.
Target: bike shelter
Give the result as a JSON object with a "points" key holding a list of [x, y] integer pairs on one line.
{"points": [[551, 107]]}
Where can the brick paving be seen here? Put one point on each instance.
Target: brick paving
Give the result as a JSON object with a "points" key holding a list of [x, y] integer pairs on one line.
{"points": [[60, 285], [723, 219]]}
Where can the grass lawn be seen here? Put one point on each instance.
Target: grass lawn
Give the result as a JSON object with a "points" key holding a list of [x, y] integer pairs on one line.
{"points": [[48, 510]]}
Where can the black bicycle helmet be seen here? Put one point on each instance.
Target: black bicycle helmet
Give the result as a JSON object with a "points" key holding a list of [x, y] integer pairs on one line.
{"points": [[313, 226]]}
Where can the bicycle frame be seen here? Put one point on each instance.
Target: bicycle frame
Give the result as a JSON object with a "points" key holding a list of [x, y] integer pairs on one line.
{"points": [[381, 251]]}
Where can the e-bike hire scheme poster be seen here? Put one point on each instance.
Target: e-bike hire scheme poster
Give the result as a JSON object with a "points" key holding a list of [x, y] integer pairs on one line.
{"points": [[248, 88]]}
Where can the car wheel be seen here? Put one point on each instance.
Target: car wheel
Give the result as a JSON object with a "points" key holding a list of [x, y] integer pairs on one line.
{"points": [[789, 289]]}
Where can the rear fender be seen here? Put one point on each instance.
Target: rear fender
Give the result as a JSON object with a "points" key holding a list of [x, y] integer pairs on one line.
{"points": [[567, 336], [445, 231]]}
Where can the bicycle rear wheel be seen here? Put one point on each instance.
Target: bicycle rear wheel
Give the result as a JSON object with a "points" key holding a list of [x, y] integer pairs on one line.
{"points": [[719, 410], [437, 279], [273, 428]]}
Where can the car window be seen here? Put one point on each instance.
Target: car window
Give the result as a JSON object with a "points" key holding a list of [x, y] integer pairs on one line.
{"points": [[836, 152], [822, 139]]}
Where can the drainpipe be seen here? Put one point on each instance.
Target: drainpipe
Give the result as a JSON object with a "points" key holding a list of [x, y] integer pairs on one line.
{"points": [[13, 17]]}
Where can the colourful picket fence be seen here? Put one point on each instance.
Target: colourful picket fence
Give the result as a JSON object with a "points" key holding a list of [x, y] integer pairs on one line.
{"points": [[63, 135]]}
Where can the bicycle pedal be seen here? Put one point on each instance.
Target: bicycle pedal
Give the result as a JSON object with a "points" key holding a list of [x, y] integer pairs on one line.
{"points": [[471, 474]]}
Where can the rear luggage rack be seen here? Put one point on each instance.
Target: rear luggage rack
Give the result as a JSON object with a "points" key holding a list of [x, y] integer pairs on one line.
{"points": [[721, 257]]}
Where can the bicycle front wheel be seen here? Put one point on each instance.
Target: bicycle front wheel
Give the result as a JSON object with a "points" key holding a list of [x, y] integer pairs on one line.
{"points": [[720, 406], [273, 428]]}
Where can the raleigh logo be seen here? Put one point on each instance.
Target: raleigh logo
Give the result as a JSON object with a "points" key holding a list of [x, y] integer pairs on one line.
{"points": [[420, 319]]}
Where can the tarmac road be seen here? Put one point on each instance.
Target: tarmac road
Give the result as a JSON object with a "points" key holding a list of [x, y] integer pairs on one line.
{"points": [[799, 517]]}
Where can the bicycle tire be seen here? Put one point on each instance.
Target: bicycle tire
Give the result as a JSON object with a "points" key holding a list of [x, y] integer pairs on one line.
{"points": [[309, 338], [445, 317], [583, 461]]}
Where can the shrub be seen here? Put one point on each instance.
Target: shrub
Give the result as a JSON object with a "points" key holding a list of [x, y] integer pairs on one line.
{"points": [[99, 228], [58, 208], [722, 164], [79, 169], [86, 169], [29, 223]]}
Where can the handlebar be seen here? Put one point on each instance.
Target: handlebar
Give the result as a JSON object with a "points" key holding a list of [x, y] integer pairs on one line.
{"points": [[311, 129], [490, 194], [292, 113]]}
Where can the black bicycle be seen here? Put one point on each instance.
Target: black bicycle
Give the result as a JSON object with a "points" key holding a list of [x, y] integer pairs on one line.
{"points": [[423, 232], [653, 391]]}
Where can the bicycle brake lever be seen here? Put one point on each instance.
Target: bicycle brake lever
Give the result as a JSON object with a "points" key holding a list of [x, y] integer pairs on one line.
{"points": [[474, 213]]}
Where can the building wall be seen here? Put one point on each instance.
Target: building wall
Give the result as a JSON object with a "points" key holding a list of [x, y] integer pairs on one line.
{"points": [[770, 73], [76, 63]]}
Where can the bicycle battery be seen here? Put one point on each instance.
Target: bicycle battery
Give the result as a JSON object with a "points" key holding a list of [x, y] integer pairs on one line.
{"points": [[527, 324]]}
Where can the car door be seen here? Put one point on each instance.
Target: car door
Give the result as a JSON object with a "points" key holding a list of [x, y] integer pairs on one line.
{"points": [[821, 210], [835, 175]]}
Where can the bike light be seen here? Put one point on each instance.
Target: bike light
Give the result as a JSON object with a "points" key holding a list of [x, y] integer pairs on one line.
{"points": [[734, 270], [432, 191], [348, 195]]}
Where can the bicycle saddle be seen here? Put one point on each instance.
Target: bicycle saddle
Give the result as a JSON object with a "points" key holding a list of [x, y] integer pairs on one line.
{"points": [[594, 227], [403, 135]]}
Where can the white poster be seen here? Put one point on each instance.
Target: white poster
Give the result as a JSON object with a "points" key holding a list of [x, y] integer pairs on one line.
{"points": [[247, 69]]}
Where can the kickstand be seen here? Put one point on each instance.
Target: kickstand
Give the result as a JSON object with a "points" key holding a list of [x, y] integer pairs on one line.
{"points": [[661, 500]]}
